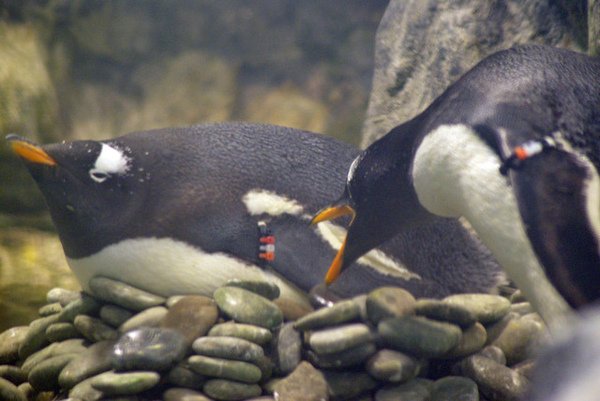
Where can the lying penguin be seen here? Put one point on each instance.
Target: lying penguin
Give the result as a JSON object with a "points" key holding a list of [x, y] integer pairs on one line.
{"points": [[514, 147], [183, 210]]}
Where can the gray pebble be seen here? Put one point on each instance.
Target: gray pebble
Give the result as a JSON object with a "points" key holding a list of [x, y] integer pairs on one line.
{"points": [[10, 341], [517, 297], [387, 302], [445, 311], [192, 316], [85, 392], [472, 340], [455, 388], [495, 381], [183, 376], [123, 294], [494, 353], [50, 309], [487, 308], [340, 312], [348, 385], [94, 329], [228, 348], [28, 391], [114, 315], [263, 288], [266, 366], [520, 339], [128, 383], [256, 334], [339, 338], [522, 308], [150, 317], [13, 374], [419, 336], [148, 348], [225, 369], [61, 331], [287, 348], [62, 296], [44, 376], [35, 338], [393, 366], [525, 368], [247, 307], [86, 305], [414, 390], [304, 383], [343, 359], [10, 392], [94, 360], [71, 346], [495, 329], [229, 390], [183, 394]]}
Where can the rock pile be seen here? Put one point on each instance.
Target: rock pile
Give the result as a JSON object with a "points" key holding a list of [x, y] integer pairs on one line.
{"points": [[124, 343]]}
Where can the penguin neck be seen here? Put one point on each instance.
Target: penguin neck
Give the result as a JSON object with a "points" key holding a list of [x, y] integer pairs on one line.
{"points": [[455, 173]]}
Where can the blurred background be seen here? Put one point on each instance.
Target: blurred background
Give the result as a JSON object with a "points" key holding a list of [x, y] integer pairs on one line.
{"points": [[74, 69]]}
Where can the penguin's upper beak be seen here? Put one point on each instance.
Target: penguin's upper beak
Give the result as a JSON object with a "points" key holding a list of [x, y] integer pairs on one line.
{"points": [[29, 151], [338, 209]]}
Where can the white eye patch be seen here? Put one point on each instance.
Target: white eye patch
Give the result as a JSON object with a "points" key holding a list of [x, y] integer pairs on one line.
{"points": [[110, 161]]}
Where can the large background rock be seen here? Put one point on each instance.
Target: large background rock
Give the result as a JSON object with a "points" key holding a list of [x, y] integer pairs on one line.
{"points": [[423, 46]]}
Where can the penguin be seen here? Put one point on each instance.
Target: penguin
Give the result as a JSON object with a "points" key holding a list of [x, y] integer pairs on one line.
{"points": [[513, 149], [183, 210]]}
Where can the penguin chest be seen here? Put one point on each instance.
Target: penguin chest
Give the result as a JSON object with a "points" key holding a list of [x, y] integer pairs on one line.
{"points": [[169, 267], [456, 174]]}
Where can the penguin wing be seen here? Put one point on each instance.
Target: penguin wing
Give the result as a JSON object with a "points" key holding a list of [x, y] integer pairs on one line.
{"points": [[558, 196]]}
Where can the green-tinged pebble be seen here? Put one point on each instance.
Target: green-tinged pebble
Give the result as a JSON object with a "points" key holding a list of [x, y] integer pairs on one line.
{"points": [[123, 295], [343, 359], [225, 369], [445, 311], [287, 348], [114, 315], [339, 338], [35, 338], [228, 348], [13, 374], [44, 376], [61, 331], [387, 302], [85, 391], [340, 312], [10, 392], [50, 309], [393, 366], [10, 341], [263, 288], [348, 385], [150, 317], [256, 334], [247, 307], [472, 340], [94, 360], [94, 329], [62, 296], [71, 346], [183, 376], [494, 353], [86, 305], [127, 383], [419, 336], [487, 308], [414, 390], [521, 339], [184, 394], [229, 390], [455, 388]]}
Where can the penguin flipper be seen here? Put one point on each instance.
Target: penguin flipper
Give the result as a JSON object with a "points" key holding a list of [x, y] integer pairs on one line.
{"points": [[557, 192]]}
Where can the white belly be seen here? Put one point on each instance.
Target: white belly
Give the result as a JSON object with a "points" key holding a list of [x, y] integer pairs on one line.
{"points": [[167, 267], [460, 177]]}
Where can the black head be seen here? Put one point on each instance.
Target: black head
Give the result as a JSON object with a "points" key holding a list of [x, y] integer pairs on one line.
{"points": [[88, 187], [379, 197]]}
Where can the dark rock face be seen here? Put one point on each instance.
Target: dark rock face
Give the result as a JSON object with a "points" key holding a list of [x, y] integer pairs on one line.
{"points": [[424, 46]]}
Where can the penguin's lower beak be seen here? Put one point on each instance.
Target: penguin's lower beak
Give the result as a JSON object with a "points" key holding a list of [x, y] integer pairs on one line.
{"points": [[330, 213], [29, 151]]}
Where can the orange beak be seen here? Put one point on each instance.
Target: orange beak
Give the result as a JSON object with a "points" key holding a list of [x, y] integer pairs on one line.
{"points": [[330, 213], [30, 152]]}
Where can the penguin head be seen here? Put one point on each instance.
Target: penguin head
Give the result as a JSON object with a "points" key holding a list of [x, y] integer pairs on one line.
{"points": [[87, 185], [379, 204]]}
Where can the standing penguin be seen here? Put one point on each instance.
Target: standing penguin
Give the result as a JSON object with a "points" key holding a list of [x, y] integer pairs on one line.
{"points": [[183, 210], [514, 147]]}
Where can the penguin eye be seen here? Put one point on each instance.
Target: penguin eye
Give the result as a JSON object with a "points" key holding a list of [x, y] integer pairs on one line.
{"points": [[98, 176]]}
